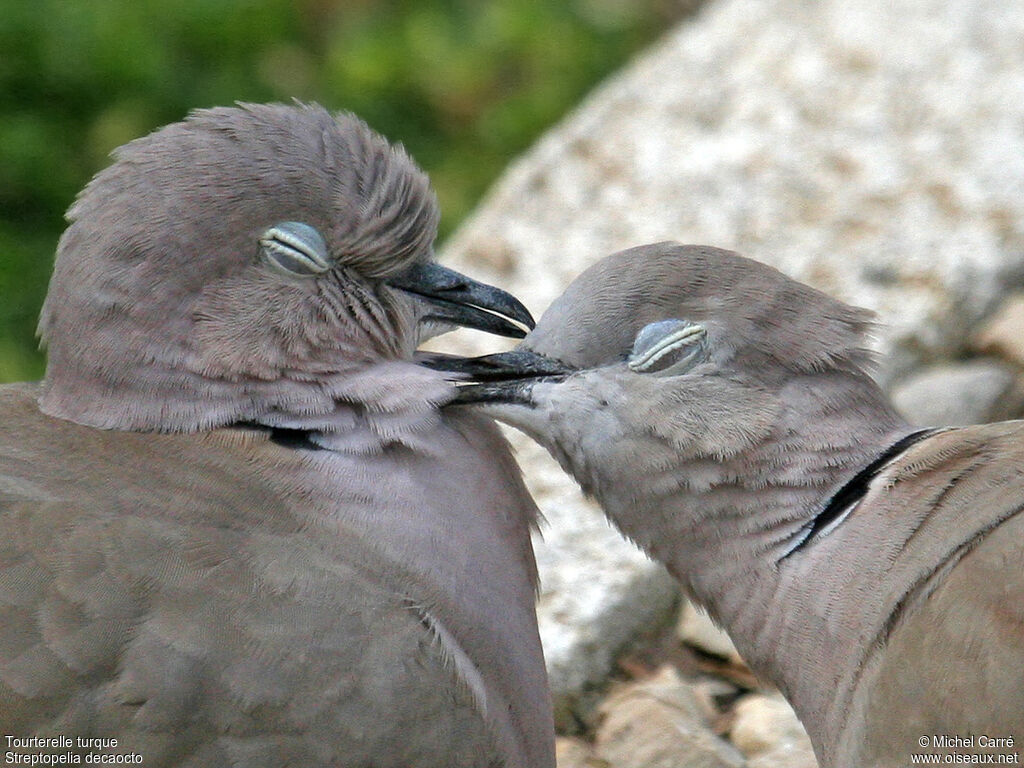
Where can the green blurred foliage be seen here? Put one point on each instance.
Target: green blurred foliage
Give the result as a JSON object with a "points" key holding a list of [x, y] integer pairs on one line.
{"points": [[464, 84]]}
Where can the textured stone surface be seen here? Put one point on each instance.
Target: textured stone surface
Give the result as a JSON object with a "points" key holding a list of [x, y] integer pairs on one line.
{"points": [[1003, 333], [767, 732], [573, 753], [869, 147], [954, 394], [660, 723]]}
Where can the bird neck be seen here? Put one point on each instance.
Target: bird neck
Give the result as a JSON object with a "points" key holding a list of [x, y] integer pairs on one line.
{"points": [[725, 525], [362, 407]]}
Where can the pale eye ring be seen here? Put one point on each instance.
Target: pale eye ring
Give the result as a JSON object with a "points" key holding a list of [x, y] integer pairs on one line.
{"points": [[294, 249], [672, 346]]}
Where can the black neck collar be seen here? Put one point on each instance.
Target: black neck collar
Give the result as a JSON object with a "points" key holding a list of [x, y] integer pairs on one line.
{"points": [[853, 491]]}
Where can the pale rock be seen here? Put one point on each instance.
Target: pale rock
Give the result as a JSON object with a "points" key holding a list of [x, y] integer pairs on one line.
{"points": [[768, 733], [1003, 333], [659, 723], [956, 394], [573, 753]]}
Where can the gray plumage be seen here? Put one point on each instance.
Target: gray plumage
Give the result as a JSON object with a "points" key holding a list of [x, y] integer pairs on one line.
{"points": [[235, 527], [723, 416]]}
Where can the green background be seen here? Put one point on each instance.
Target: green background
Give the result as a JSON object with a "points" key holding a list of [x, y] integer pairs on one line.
{"points": [[464, 85]]}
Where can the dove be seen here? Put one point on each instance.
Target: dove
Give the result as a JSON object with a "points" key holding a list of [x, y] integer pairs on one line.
{"points": [[724, 417], [236, 527]]}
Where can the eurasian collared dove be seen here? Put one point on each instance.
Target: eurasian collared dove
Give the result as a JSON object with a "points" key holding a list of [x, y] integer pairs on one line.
{"points": [[722, 415], [235, 527]]}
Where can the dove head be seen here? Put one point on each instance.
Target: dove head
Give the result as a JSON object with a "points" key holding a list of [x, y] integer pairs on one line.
{"points": [[249, 261], [688, 364]]}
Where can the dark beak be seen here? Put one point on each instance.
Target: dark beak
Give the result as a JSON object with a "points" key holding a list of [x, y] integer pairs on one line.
{"points": [[455, 298], [507, 377]]}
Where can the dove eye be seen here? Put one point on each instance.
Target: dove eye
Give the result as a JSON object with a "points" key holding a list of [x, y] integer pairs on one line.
{"points": [[293, 248], [668, 346]]}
